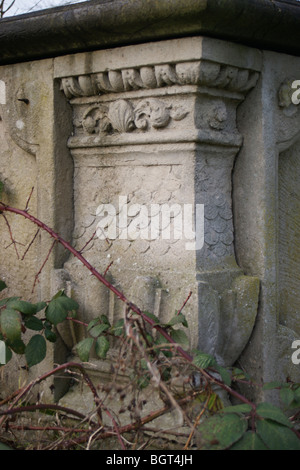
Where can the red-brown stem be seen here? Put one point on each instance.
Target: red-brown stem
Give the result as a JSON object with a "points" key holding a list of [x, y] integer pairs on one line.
{"points": [[77, 321], [29, 197], [30, 244], [42, 406], [13, 242], [136, 425], [27, 427], [107, 268], [68, 365], [87, 243], [41, 268], [95, 273], [184, 304], [117, 429], [120, 295]]}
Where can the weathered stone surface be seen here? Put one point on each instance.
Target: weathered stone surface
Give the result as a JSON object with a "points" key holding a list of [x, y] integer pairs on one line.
{"points": [[266, 215], [158, 126], [191, 123]]}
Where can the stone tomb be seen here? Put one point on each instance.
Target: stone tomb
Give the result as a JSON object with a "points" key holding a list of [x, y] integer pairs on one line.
{"points": [[202, 127], [156, 125]]}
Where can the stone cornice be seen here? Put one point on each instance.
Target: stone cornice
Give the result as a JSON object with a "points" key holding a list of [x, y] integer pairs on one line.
{"points": [[200, 73], [170, 91], [95, 25]]}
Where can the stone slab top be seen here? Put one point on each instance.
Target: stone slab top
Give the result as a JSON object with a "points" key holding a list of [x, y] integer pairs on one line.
{"points": [[160, 52], [103, 24]]}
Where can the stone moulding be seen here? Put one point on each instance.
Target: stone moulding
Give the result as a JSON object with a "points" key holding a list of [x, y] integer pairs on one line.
{"points": [[139, 100], [200, 73]]}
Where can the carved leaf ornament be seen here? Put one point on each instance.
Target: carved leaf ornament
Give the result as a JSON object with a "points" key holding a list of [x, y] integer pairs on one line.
{"points": [[121, 116]]}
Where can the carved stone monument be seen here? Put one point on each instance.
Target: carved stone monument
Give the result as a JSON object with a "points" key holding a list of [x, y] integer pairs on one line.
{"points": [[154, 126], [165, 145]]}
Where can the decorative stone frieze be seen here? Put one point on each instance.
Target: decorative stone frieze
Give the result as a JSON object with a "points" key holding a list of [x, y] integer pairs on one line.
{"points": [[200, 73]]}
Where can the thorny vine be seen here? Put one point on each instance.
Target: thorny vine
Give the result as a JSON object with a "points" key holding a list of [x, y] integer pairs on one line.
{"points": [[139, 362]]}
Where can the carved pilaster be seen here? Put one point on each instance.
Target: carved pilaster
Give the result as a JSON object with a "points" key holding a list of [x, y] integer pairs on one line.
{"points": [[287, 128], [159, 134]]}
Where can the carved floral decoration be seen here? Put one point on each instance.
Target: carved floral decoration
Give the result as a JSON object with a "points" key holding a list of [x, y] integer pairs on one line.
{"points": [[122, 116]]}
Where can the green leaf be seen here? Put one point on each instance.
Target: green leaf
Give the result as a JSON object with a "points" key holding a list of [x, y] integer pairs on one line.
{"points": [[104, 319], [272, 385], [276, 436], [144, 364], [239, 374], [2, 284], [180, 337], [7, 300], [102, 347], [178, 319], [5, 447], [83, 348], [166, 374], [93, 323], [297, 394], [48, 324], [249, 441], [237, 409], [221, 431], [118, 328], [3, 302], [50, 335], [267, 410], [287, 396], [34, 323], [149, 338], [98, 329], [22, 306], [214, 403], [203, 360], [10, 324], [35, 350], [56, 312], [40, 306], [58, 294], [143, 381], [225, 375], [159, 340], [58, 308], [153, 317], [68, 303], [17, 346]]}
